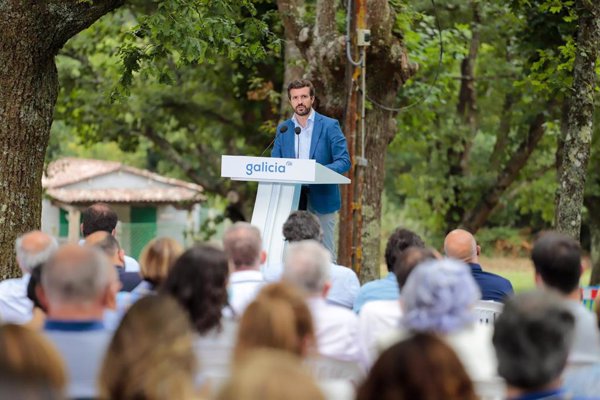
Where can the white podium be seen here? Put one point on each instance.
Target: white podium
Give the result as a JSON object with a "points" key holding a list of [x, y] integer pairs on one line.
{"points": [[278, 193]]}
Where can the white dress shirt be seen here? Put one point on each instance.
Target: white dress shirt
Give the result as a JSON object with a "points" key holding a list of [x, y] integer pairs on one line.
{"points": [[243, 288], [15, 306], [376, 319], [336, 330], [303, 140]]}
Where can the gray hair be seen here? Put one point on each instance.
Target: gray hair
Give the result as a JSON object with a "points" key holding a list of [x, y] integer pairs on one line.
{"points": [[438, 297], [302, 225], [532, 338], [33, 249], [76, 275], [307, 266], [243, 244]]}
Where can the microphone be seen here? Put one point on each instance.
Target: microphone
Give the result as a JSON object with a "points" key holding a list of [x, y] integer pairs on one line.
{"points": [[297, 131], [283, 129]]}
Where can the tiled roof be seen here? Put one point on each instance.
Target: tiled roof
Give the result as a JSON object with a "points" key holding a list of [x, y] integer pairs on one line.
{"points": [[68, 171]]}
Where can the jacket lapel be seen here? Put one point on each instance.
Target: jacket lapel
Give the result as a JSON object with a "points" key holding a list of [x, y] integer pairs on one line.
{"points": [[290, 143], [316, 134]]}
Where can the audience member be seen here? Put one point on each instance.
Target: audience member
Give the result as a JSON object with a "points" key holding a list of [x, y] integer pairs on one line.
{"points": [[30, 367], [278, 319], [269, 374], [198, 281], [78, 283], [109, 245], [307, 267], [387, 288], [557, 261], [461, 245], [419, 367], [150, 355], [100, 217], [243, 246], [32, 249], [38, 315], [438, 297], [380, 317], [532, 338], [303, 225], [156, 260], [584, 381]]}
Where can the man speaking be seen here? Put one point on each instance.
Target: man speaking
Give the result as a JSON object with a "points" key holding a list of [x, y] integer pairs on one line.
{"points": [[311, 135]]}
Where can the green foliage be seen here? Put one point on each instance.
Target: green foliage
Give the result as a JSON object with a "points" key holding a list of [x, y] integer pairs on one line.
{"points": [[177, 112], [509, 65]]}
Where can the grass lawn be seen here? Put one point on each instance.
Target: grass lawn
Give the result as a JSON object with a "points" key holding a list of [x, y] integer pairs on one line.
{"points": [[520, 271]]}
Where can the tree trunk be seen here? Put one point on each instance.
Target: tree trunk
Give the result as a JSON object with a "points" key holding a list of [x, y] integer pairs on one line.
{"points": [[29, 83], [31, 33], [578, 138], [593, 206]]}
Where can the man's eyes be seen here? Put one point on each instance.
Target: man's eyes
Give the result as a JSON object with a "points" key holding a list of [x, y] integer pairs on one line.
{"points": [[303, 97]]}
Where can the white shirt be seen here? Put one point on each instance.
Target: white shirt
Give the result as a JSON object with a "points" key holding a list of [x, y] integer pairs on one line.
{"points": [[302, 141], [131, 265], [344, 283], [336, 330], [15, 307], [243, 288], [376, 319], [472, 345]]}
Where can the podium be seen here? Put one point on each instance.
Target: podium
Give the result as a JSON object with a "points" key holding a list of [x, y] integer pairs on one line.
{"points": [[279, 182]]}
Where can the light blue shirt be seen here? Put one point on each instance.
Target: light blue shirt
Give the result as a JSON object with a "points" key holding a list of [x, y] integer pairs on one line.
{"points": [[380, 289], [305, 136], [344, 283]]}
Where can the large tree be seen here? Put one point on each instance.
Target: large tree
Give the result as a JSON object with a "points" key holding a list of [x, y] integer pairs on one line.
{"points": [[580, 115], [31, 35]]}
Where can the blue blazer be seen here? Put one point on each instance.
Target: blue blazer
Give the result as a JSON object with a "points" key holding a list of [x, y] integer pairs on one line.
{"points": [[328, 147]]}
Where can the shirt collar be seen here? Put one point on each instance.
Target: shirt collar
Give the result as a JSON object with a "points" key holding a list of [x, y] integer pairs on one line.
{"points": [[311, 118], [475, 267], [249, 274], [391, 276], [73, 326]]}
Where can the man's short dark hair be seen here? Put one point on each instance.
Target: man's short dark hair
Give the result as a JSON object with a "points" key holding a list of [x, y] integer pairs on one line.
{"points": [[302, 225], [98, 217], [408, 260], [399, 241], [532, 338], [557, 258], [299, 84]]}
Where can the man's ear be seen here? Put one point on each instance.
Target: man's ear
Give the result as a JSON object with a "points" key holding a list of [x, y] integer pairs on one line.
{"points": [[121, 256], [42, 298], [114, 232], [326, 288], [81, 228], [478, 250], [110, 295], [539, 282], [263, 257]]}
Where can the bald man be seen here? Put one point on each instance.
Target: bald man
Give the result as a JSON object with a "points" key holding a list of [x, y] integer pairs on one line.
{"points": [[32, 249], [461, 245]]}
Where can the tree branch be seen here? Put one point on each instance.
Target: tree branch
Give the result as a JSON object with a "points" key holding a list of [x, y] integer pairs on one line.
{"points": [[69, 17], [289, 11], [476, 217]]}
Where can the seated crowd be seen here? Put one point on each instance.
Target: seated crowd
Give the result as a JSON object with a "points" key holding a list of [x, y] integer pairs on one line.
{"points": [[83, 322]]}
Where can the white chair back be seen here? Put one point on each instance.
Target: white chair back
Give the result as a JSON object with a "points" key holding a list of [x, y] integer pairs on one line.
{"points": [[325, 368], [487, 311]]}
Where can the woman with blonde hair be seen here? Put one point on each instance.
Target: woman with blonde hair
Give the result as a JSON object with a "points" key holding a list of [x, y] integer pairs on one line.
{"points": [[156, 259], [30, 367], [150, 356], [279, 319], [269, 374]]}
